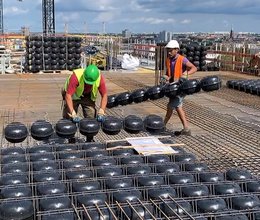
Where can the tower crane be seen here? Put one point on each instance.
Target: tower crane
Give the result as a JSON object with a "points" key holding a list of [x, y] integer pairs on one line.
{"points": [[48, 17]]}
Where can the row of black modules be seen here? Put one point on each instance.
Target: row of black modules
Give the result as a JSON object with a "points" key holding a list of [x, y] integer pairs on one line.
{"points": [[17, 132], [183, 86], [249, 86]]}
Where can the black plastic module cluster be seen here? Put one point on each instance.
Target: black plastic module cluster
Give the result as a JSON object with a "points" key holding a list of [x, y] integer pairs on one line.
{"points": [[52, 53], [93, 181]]}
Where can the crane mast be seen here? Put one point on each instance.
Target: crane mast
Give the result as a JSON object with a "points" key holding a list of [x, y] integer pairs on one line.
{"points": [[48, 18], [1, 17]]}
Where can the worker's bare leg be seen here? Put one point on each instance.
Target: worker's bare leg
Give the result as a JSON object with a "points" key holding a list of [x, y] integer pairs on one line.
{"points": [[168, 115], [182, 117]]}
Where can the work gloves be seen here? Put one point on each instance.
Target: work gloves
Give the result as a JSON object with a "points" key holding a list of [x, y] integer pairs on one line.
{"points": [[164, 79], [101, 115], [75, 118]]}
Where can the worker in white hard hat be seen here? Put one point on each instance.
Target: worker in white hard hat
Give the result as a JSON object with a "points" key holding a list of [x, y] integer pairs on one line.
{"points": [[177, 68]]}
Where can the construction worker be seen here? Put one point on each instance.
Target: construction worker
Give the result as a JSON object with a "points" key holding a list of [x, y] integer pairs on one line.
{"points": [[81, 88], [178, 67]]}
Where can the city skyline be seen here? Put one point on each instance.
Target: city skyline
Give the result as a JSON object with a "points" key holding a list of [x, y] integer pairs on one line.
{"points": [[138, 16]]}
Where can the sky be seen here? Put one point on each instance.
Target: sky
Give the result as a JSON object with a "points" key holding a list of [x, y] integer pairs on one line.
{"points": [[138, 16]]}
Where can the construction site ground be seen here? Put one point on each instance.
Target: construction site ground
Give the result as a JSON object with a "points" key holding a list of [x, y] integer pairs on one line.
{"points": [[225, 124]]}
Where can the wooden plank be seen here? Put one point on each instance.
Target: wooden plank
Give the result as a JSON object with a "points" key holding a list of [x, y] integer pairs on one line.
{"points": [[159, 136], [143, 145]]}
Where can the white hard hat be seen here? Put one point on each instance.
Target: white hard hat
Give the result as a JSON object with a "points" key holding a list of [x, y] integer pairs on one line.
{"points": [[173, 44]]}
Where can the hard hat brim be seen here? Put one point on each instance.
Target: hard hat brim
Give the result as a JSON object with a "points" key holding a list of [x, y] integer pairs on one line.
{"points": [[89, 82]]}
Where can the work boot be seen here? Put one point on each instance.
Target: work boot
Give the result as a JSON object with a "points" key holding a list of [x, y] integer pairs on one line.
{"points": [[184, 131]]}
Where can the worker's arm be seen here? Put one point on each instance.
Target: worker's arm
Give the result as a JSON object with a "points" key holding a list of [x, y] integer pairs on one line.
{"points": [[69, 103], [101, 111], [103, 102], [190, 68]]}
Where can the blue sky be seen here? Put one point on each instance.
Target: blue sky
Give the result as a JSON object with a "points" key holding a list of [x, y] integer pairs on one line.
{"points": [[137, 15]]}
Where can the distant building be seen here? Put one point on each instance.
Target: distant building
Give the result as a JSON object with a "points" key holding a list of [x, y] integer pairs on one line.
{"points": [[164, 36], [126, 33], [25, 31]]}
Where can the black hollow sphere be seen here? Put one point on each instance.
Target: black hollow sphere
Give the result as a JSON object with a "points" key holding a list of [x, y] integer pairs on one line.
{"points": [[65, 128], [210, 83], [86, 186], [15, 192], [154, 92], [13, 179], [13, 151], [119, 183], [38, 56], [89, 127], [62, 44], [55, 203], [124, 98], [47, 50], [123, 196], [41, 130], [54, 56], [112, 125], [171, 90], [56, 50], [238, 174], [54, 44], [51, 188], [63, 50], [139, 95], [133, 124], [47, 44], [12, 209], [92, 199], [212, 205], [154, 123], [111, 101], [13, 159], [190, 86], [67, 164], [15, 132]]}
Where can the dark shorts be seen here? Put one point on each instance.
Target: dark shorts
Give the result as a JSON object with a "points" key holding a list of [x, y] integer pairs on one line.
{"points": [[176, 102]]}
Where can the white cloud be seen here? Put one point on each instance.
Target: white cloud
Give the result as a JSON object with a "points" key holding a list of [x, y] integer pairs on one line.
{"points": [[15, 11], [186, 21]]}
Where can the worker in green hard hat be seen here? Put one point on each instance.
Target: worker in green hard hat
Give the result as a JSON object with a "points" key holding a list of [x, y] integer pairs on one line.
{"points": [[82, 88]]}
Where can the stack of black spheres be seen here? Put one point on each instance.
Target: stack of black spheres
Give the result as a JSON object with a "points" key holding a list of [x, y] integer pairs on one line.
{"points": [[52, 53], [196, 54], [184, 86]]}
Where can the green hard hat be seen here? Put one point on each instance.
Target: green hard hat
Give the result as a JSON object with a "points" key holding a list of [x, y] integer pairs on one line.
{"points": [[91, 74]]}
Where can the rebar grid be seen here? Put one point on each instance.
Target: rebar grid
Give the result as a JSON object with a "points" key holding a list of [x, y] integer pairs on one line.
{"points": [[154, 209]]}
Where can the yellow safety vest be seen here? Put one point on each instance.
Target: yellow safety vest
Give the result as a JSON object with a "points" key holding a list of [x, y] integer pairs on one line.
{"points": [[80, 89]]}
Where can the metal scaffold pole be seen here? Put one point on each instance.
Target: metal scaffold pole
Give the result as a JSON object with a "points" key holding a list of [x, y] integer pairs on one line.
{"points": [[1, 18]]}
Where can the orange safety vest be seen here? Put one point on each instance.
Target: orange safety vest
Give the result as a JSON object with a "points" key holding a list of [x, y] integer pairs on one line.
{"points": [[177, 73]]}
